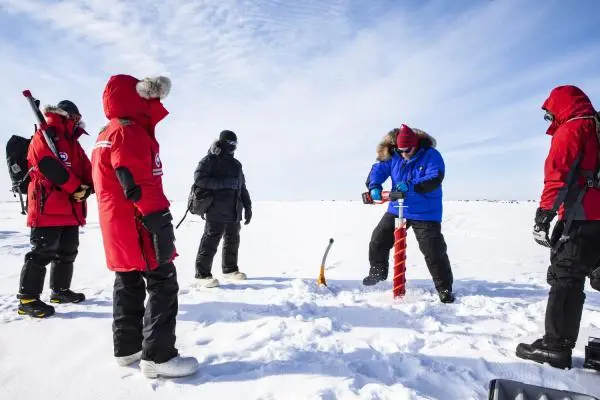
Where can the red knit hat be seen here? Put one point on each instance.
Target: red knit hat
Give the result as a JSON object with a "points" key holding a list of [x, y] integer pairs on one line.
{"points": [[406, 138]]}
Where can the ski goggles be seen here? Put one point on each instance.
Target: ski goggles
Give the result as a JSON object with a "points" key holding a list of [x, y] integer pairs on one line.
{"points": [[548, 116], [232, 143]]}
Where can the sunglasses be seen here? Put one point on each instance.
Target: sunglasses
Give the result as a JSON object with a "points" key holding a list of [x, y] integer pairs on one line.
{"points": [[548, 116], [404, 150], [232, 143]]}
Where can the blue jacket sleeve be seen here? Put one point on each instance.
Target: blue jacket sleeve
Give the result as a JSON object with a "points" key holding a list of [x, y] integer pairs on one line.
{"points": [[379, 174], [434, 167]]}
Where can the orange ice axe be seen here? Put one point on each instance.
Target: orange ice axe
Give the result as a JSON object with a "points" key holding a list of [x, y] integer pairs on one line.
{"points": [[321, 279]]}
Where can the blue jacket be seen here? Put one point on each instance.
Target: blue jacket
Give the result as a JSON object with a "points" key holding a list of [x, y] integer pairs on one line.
{"points": [[423, 173]]}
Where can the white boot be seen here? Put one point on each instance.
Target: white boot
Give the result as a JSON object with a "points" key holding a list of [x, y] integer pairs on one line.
{"points": [[174, 368], [235, 276], [207, 282], [127, 360]]}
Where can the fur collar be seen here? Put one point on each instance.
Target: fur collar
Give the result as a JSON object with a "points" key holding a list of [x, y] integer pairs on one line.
{"points": [[48, 109], [388, 143]]}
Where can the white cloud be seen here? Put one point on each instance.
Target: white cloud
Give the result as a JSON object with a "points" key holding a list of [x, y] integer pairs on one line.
{"points": [[309, 86]]}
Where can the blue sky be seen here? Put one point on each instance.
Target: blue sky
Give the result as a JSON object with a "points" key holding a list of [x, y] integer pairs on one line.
{"points": [[311, 87]]}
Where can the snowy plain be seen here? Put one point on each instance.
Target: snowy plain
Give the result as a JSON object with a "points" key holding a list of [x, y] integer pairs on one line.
{"points": [[279, 336]]}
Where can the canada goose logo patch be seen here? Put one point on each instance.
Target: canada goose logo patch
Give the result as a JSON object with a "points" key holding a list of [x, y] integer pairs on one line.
{"points": [[157, 161]]}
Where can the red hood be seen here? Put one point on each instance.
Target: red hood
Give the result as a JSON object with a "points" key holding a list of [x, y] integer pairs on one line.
{"points": [[566, 102], [63, 126], [121, 100]]}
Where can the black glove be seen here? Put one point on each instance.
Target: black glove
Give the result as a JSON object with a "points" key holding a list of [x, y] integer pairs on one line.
{"points": [[595, 279], [247, 215], [163, 236], [542, 226]]}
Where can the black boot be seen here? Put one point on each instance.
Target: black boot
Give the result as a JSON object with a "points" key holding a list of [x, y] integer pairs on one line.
{"points": [[376, 274], [35, 308], [66, 296], [541, 352], [446, 296]]}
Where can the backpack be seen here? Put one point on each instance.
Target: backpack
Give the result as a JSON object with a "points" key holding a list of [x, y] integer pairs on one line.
{"points": [[16, 158], [199, 201]]}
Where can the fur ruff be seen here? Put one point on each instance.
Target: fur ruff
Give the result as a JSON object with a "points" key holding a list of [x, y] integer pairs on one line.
{"points": [[48, 109], [388, 143], [154, 88]]}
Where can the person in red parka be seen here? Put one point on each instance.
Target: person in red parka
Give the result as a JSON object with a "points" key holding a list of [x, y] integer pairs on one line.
{"points": [[136, 224], [570, 189], [56, 208]]}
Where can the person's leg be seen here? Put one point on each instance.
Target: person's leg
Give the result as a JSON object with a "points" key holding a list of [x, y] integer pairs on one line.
{"points": [[129, 293], [382, 241], [44, 245], [159, 355], [433, 246], [231, 246], [213, 231], [160, 315], [61, 271], [570, 263]]}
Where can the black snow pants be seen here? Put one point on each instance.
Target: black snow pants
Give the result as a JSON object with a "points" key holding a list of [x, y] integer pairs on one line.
{"points": [[570, 263], [150, 329], [57, 245], [213, 232], [431, 243]]}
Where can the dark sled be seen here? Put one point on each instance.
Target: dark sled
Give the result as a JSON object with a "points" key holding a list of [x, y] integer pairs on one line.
{"points": [[504, 389]]}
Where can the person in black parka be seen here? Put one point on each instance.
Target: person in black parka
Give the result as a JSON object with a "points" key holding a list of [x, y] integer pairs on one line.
{"points": [[221, 189]]}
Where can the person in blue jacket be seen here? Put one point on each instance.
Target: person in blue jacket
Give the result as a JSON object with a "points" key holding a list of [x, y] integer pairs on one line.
{"points": [[408, 156]]}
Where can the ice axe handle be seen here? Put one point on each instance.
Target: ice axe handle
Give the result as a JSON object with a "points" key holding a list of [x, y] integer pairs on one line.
{"points": [[35, 104]]}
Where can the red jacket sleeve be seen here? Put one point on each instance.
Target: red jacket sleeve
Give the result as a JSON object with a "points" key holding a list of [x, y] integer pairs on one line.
{"points": [[565, 151], [131, 150], [87, 167], [53, 169]]}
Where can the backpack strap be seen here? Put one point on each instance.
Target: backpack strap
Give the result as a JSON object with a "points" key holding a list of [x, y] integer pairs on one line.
{"points": [[592, 181]]}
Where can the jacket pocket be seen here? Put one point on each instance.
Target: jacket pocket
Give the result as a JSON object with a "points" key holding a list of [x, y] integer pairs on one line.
{"points": [[55, 202]]}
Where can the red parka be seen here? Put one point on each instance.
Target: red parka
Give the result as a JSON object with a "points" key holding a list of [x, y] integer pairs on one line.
{"points": [[574, 148], [127, 173], [54, 180]]}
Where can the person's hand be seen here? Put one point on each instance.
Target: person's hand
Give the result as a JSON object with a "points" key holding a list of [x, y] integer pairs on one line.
{"points": [[247, 215], [542, 227], [82, 193], [402, 187], [376, 194]]}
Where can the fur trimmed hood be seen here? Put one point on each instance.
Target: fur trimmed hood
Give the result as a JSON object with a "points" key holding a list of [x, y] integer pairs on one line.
{"points": [[49, 109], [388, 143], [154, 87]]}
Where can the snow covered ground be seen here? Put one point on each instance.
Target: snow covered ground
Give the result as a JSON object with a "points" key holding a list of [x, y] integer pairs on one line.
{"points": [[279, 336]]}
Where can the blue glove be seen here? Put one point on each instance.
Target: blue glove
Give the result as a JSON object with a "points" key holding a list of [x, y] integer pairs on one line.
{"points": [[402, 187], [376, 194]]}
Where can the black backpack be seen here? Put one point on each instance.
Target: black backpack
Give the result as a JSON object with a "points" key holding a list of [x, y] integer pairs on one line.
{"points": [[16, 158]]}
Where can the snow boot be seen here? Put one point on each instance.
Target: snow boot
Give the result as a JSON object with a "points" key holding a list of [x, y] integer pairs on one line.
{"points": [[376, 274], [446, 296], [235, 276], [130, 359], [174, 368], [66, 296], [541, 352], [208, 282], [35, 308]]}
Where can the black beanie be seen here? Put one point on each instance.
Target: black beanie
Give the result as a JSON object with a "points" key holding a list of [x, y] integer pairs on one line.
{"points": [[227, 135], [69, 107]]}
